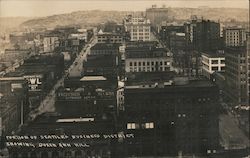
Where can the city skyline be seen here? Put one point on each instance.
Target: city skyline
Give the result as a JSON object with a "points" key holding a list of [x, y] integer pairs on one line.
{"points": [[38, 8], [121, 79]]}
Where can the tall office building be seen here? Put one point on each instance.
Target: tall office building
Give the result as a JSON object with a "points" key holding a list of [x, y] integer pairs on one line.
{"points": [[234, 36], [170, 116], [236, 74], [156, 15], [248, 66], [203, 35], [206, 35], [138, 27]]}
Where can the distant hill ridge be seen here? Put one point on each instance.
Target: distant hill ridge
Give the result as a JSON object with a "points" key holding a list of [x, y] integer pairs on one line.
{"points": [[82, 18], [95, 17]]}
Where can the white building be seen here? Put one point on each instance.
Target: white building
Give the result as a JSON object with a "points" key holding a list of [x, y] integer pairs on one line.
{"points": [[120, 96], [212, 62], [80, 36], [234, 36], [107, 37], [138, 27], [147, 60]]}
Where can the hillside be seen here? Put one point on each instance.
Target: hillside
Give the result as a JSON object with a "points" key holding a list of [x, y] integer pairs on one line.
{"points": [[95, 17], [82, 18]]}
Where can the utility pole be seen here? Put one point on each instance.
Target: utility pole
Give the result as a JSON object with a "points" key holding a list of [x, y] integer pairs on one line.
{"points": [[248, 55], [22, 119]]}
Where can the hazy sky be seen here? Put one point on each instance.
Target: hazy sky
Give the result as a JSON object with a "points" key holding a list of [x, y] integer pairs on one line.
{"points": [[50, 7]]}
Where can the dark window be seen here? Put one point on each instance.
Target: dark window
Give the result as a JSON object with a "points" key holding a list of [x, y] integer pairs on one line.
{"points": [[214, 61], [215, 68]]}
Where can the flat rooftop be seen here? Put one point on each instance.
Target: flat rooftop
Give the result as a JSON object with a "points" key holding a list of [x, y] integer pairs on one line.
{"points": [[215, 54], [240, 49], [109, 34], [29, 70], [105, 46], [93, 78], [145, 52], [164, 81]]}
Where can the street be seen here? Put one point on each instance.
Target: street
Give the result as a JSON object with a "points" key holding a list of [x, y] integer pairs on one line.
{"points": [[76, 68], [47, 105], [232, 136]]}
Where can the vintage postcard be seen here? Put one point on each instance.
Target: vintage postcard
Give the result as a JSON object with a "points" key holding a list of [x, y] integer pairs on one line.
{"points": [[124, 78]]}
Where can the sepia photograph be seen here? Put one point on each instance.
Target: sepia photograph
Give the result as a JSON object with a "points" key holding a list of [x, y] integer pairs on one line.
{"points": [[124, 78]]}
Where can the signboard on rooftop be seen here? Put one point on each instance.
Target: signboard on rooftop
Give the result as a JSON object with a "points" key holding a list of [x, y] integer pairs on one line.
{"points": [[34, 82]]}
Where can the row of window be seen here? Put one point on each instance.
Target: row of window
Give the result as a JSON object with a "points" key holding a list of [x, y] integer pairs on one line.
{"points": [[141, 38], [105, 37], [233, 33], [139, 27], [149, 125], [141, 34], [216, 68], [148, 69], [231, 40], [120, 40], [145, 36], [148, 63], [234, 44], [217, 61]]}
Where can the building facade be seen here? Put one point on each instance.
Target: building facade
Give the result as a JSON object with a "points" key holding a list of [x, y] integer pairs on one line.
{"points": [[104, 37], [171, 117], [204, 35], [187, 63], [50, 43], [248, 65], [234, 37], [138, 27], [236, 75], [212, 63], [103, 60], [147, 59], [14, 106], [156, 15], [168, 32], [178, 41]]}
